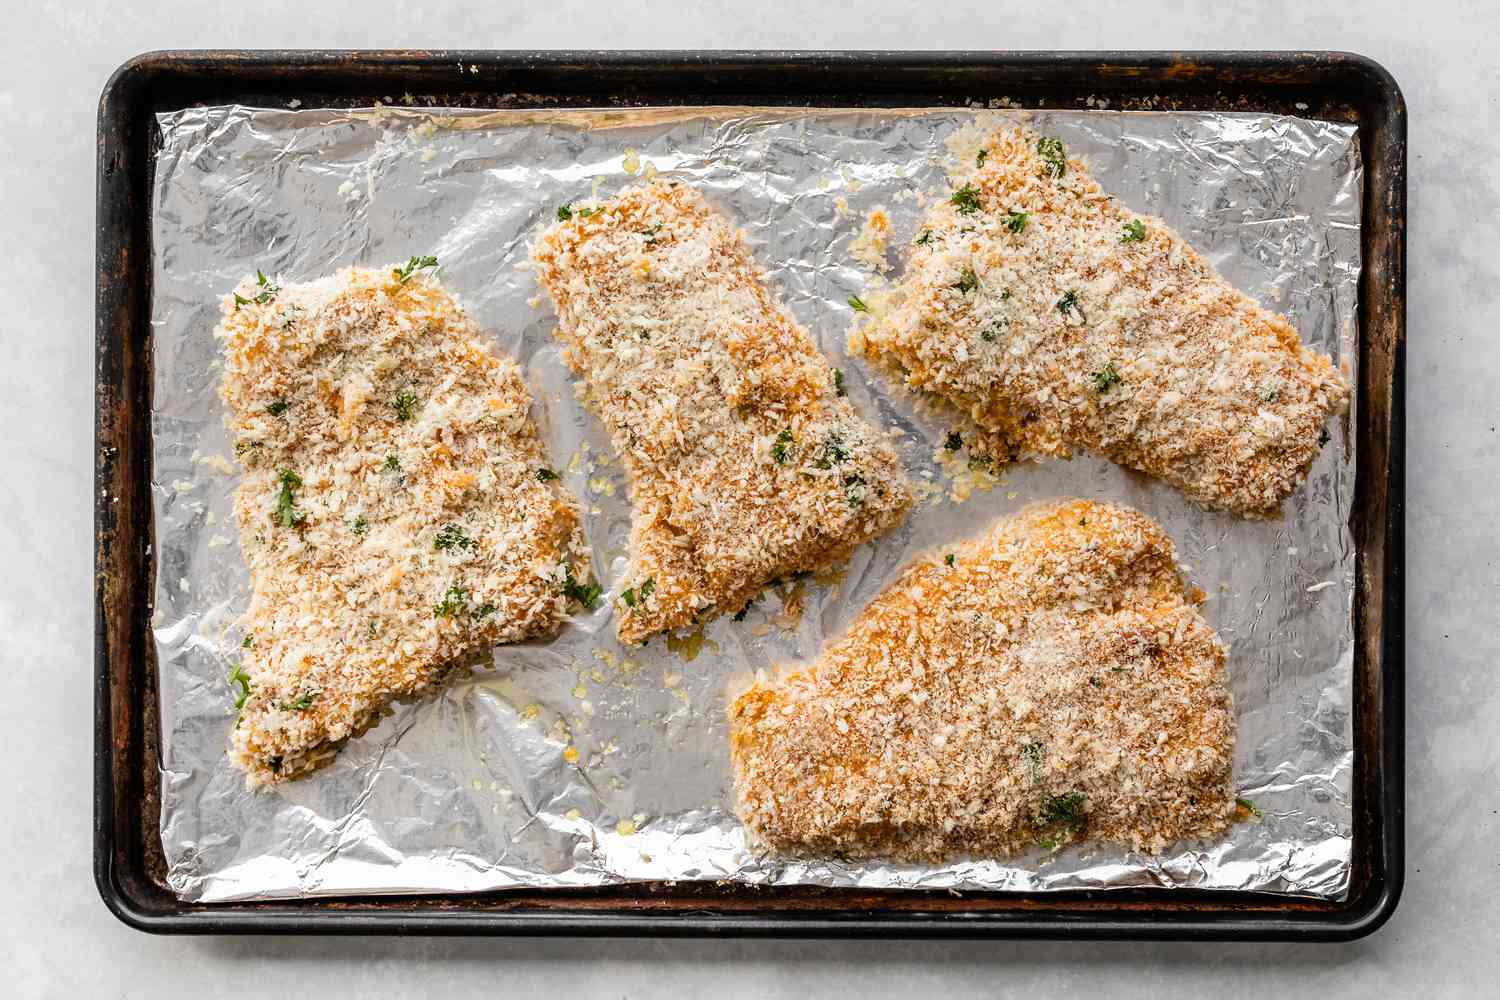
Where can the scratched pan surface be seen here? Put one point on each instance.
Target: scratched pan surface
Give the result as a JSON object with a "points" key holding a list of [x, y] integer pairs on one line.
{"points": [[129, 866]]}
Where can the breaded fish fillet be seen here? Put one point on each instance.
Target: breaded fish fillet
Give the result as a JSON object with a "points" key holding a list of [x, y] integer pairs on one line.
{"points": [[745, 460], [396, 510], [1051, 680], [1056, 319]]}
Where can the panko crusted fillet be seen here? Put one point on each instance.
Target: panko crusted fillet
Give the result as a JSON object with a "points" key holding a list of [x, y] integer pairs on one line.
{"points": [[745, 460], [1056, 318], [390, 510], [1051, 680]]}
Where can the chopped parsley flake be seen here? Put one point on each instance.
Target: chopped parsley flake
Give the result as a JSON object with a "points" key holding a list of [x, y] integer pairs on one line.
{"points": [[302, 704], [415, 264], [980, 463], [649, 587], [392, 463], [948, 559], [1054, 157], [858, 304], [405, 405], [855, 489], [586, 594], [238, 676], [286, 513], [966, 200], [967, 281], [248, 641], [954, 441], [1065, 810], [545, 475], [1015, 221], [359, 525], [834, 452], [1069, 303], [984, 154], [452, 536], [565, 212], [278, 407], [1253, 809], [925, 238], [1324, 437], [455, 602], [1135, 231], [838, 382], [1105, 377], [650, 234], [779, 449], [483, 611]]}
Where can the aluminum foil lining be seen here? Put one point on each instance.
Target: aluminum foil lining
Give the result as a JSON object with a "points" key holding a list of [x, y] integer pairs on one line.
{"points": [[475, 790]]}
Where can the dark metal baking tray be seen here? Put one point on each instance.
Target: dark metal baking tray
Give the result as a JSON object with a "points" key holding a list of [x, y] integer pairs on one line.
{"points": [[128, 863]]}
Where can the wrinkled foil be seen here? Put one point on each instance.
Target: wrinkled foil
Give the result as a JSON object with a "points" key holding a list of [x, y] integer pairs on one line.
{"points": [[472, 790]]}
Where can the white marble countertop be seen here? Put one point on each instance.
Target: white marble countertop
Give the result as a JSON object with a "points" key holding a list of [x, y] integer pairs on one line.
{"points": [[57, 939]]}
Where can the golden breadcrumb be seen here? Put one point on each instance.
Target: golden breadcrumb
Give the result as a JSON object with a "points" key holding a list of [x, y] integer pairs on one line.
{"points": [[745, 460], [1056, 318], [1051, 680], [393, 509]]}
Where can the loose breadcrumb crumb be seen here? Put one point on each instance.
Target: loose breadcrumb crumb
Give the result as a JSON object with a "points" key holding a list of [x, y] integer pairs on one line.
{"points": [[1049, 681], [1055, 318], [744, 461], [389, 509]]}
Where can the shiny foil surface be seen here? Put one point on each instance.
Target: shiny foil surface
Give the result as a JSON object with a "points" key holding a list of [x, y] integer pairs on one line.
{"points": [[476, 789]]}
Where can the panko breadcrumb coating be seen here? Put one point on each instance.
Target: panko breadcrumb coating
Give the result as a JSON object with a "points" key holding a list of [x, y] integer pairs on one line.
{"points": [[745, 460], [1056, 318], [1049, 681], [391, 509]]}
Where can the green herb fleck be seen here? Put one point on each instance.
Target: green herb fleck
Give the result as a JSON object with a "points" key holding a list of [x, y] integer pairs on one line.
{"points": [[858, 304], [584, 213], [274, 763], [966, 199], [405, 405], [286, 514], [834, 452], [1054, 157], [984, 154], [628, 596], [1015, 221], [1253, 809], [240, 300], [779, 449], [267, 290], [1324, 437], [278, 407], [564, 212], [954, 441], [248, 641], [483, 611], [392, 463], [545, 475], [585, 594], [925, 238], [238, 676], [855, 489], [991, 333], [359, 525], [838, 382], [1032, 754], [455, 602], [302, 704], [967, 281], [980, 463], [1095, 682], [413, 265], [452, 536], [1065, 810], [1105, 377], [1069, 303], [739, 615], [648, 588], [1135, 231], [948, 559], [650, 234]]}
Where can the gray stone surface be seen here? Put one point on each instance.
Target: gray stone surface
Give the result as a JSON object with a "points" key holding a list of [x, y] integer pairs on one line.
{"points": [[56, 939]]}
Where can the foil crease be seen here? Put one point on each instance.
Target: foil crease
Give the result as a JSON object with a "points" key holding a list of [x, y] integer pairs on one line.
{"points": [[471, 790]]}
